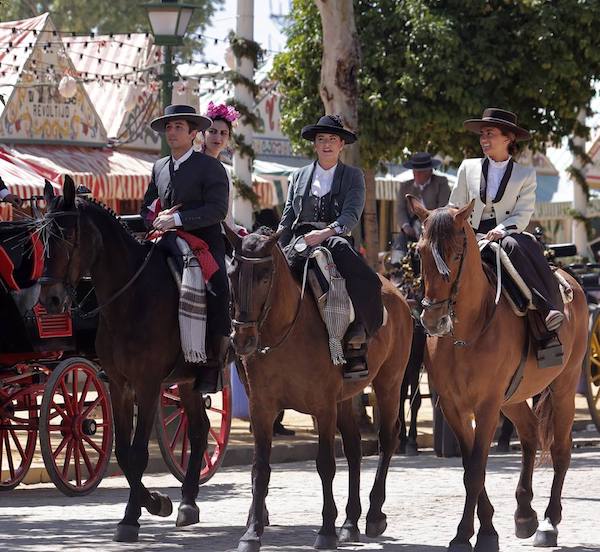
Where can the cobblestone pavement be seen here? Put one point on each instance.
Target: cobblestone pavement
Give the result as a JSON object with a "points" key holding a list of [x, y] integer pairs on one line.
{"points": [[424, 502]]}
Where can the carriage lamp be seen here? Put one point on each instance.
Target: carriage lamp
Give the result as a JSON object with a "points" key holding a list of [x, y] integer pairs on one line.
{"points": [[169, 21]]}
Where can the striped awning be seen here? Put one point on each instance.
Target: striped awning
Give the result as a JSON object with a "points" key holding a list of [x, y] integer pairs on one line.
{"points": [[108, 173]]}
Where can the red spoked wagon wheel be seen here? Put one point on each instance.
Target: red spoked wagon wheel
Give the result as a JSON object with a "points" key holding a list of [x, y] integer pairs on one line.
{"points": [[591, 369], [76, 427], [18, 436], [172, 430]]}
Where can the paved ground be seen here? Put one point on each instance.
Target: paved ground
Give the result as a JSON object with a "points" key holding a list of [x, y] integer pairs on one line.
{"points": [[425, 498]]}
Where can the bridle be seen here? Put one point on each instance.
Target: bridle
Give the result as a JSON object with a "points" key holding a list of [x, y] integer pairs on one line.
{"points": [[451, 302], [70, 288], [245, 287]]}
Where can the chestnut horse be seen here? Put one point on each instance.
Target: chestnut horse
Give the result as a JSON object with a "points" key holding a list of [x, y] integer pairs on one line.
{"points": [[137, 339], [473, 351], [287, 364]]}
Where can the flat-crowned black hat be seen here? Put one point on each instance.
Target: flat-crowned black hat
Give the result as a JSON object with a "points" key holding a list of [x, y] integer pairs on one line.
{"points": [[181, 112], [422, 161], [329, 124], [501, 118]]}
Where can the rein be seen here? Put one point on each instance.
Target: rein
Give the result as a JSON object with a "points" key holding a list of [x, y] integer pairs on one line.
{"points": [[44, 280], [246, 300]]}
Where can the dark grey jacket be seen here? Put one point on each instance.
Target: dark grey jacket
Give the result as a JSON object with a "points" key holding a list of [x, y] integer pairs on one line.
{"points": [[347, 198], [201, 186]]}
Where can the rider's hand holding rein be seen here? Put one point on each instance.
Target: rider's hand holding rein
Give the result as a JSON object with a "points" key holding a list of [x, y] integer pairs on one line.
{"points": [[316, 237], [495, 234], [164, 221], [5, 195]]}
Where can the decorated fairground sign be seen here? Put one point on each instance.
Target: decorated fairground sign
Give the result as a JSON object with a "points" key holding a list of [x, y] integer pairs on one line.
{"points": [[45, 102]]}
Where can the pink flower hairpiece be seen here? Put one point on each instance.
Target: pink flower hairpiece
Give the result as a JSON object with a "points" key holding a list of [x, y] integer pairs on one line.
{"points": [[223, 111]]}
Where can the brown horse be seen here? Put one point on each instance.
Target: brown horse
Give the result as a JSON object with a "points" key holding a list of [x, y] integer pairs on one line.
{"points": [[137, 339], [288, 365], [473, 352]]}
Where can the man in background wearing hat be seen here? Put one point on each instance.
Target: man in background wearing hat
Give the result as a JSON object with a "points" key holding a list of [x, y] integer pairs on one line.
{"points": [[325, 202], [193, 191], [433, 191]]}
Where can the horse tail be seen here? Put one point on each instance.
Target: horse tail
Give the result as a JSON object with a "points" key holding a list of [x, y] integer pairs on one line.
{"points": [[545, 415]]}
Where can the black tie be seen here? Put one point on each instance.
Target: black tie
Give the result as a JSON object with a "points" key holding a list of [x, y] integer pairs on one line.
{"points": [[169, 190]]}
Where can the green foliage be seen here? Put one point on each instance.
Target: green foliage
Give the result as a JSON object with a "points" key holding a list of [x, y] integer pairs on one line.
{"points": [[104, 16], [430, 64]]}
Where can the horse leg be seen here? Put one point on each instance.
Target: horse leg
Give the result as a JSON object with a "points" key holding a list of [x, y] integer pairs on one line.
{"points": [[402, 414], [526, 521], [327, 537], [352, 450], [262, 427], [156, 503], [388, 440], [415, 403], [198, 427], [559, 411]]}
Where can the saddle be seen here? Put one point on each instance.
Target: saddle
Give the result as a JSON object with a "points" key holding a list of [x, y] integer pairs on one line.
{"points": [[333, 301], [508, 282]]}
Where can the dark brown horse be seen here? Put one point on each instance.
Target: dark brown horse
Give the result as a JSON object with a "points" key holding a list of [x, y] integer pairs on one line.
{"points": [[288, 365], [473, 352], [137, 341]]}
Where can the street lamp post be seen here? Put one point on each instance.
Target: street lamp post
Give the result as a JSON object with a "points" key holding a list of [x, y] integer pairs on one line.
{"points": [[169, 21]]}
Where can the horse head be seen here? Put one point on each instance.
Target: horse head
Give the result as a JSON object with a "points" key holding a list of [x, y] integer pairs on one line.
{"points": [[442, 249], [67, 256], [252, 274]]}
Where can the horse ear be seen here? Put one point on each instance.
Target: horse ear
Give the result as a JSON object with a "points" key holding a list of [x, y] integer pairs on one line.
{"points": [[417, 207], [48, 192], [69, 192], [463, 213], [234, 239]]}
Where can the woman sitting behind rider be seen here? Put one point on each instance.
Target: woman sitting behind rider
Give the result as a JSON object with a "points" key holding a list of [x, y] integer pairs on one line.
{"points": [[504, 194], [216, 140]]}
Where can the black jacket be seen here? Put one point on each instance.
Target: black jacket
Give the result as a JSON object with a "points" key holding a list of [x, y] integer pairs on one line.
{"points": [[201, 186]]}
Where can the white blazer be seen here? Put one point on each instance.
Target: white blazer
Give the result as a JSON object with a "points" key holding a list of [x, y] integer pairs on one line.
{"points": [[514, 203]]}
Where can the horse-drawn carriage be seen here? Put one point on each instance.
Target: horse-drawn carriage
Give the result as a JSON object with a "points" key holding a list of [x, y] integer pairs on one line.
{"points": [[50, 383]]}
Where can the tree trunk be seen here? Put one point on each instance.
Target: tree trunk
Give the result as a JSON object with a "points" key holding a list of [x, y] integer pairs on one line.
{"points": [[370, 221], [339, 93]]}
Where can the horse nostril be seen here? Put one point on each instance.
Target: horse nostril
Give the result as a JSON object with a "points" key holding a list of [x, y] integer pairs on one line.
{"points": [[54, 301]]}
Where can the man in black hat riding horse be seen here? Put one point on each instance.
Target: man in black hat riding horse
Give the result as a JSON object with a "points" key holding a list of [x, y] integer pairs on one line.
{"points": [[433, 191], [193, 190], [325, 202]]}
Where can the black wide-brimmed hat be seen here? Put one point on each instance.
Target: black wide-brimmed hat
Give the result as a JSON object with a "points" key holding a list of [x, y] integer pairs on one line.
{"points": [[329, 124], [495, 117], [181, 112], [422, 161]]}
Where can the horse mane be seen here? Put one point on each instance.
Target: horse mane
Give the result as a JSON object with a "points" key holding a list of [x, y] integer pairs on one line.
{"points": [[96, 205], [441, 235]]}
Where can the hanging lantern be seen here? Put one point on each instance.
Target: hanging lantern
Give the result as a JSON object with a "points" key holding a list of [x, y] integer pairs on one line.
{"points": [[67, 87]]}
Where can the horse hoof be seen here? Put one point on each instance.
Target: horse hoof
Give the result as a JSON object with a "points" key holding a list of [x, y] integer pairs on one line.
{"points": [[412, 449], [546, 535], [460, 547], [126, 533], [349, 533], [160, 505], [376, 528], [249, 546], [487, 542], [326, 542], [525, 528], [188, 514]]}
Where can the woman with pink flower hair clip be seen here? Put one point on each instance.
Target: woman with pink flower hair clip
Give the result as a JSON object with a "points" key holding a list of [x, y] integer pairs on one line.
{"points": [[216, 139]]}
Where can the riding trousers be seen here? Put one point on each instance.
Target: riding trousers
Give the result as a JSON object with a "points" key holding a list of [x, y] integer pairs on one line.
{"points": [[527, 255]]}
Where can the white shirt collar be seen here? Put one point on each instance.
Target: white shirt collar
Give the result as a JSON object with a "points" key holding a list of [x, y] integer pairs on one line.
{"points": [[322, 180], [182, 159], [321, 171], [499, 164]]}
